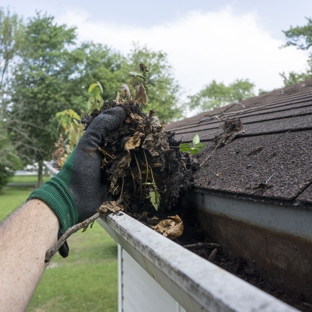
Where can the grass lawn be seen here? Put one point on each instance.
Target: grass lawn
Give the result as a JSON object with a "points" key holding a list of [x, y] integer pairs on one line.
{"points": [[26, 179], [86, 280]]}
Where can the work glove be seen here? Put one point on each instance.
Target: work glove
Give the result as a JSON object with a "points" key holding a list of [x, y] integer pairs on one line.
{"points": [[78, 190]]}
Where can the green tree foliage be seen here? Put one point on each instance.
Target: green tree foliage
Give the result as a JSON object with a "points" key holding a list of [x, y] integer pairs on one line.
{"points": [[9, 160], [11, 35], [293, 78], [161, 87], [41, 86], [218, 94], [300, 37], [97, 62]]}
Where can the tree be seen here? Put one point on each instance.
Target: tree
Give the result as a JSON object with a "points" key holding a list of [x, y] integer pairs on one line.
{"points": [[11, 31], [161, 87], [9, 161], [97, 62], [218, 94], [41, 86], [300, 37], [292, 77], [11, 34]]}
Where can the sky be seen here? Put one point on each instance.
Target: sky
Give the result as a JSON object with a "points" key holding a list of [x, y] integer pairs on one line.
{"points": [[223, 40]]}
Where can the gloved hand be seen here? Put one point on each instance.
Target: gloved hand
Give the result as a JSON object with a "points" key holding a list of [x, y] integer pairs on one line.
{"points": [[77, 191]]}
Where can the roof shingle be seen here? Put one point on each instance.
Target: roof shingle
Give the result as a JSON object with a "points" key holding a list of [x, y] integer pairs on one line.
{"points": [[271, 160]]}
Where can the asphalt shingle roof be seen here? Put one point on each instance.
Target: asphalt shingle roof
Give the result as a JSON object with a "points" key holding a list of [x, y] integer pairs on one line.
{"points": [[271, 160]]}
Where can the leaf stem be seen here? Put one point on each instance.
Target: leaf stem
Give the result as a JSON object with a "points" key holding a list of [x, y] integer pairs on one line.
{"points": [[147, 171], [140, 175]]}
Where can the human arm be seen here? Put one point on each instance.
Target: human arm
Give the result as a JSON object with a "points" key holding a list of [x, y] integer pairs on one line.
{"points": [[25, 236]]}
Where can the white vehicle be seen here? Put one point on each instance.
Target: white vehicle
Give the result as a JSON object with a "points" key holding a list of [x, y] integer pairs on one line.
{"points": [[32, 167]]}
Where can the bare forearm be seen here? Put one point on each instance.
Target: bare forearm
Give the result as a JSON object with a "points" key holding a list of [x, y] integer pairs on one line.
{"points": [[25, 236]]}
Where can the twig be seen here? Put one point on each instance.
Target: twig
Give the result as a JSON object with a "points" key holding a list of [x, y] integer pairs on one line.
{"points": [[52, 251], [197, 245], [222, 111], [212, 255], [267, 181], [134, 183], [307, 304], [121, 191], [105, 209], [106, 154], [209, 155]]}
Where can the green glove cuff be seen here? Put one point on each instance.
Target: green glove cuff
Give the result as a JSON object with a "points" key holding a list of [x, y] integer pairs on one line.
{"points": [[55, 193]]}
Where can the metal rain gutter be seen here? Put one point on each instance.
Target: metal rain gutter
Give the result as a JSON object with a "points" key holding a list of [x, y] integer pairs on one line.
{"points": [[51, 169], [195, 283], [275, 240]]}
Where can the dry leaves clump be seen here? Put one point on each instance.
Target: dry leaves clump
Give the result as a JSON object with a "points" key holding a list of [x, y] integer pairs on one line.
{"points": [[110, 207], [172, 227], [142, 162]]}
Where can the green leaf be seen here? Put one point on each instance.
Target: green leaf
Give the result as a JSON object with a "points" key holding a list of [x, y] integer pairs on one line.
{"points": [[194, 151], [135, 74], [196, 139], [92, 86], [185, 147], [100, 86], [72, 114], [96, 92], [98, 98], [199, 146], [93, 104], [154, 198]]}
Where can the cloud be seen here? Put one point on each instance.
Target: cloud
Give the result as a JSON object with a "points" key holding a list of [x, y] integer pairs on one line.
{"points": [[203, 46]]}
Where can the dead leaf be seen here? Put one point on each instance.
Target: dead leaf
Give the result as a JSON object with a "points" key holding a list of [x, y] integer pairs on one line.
{"points": [[128, 120], [126, 91], [118, 99], [140, 95], [123, 163], [134, 141], [155, 124], [110, 207], [136, 117], [113, 180], [119, 172], [143, 68], [104, 162], [172, 227], [156, 143], [231, 128], [144, 214]]}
